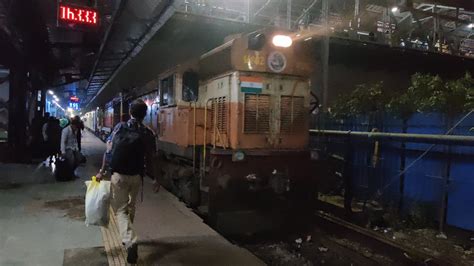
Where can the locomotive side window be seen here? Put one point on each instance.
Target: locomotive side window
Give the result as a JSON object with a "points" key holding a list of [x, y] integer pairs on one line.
{"points": [[190, 87], [167, 91]]}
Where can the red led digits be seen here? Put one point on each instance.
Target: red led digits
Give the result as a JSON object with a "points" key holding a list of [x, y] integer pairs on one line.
{"points": [[80, 15], [87, 16], [70, 13], [94, 18], [63, 12]]}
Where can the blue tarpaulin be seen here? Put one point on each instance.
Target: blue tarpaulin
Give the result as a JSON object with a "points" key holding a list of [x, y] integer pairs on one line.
{"points": [[425, 180]]}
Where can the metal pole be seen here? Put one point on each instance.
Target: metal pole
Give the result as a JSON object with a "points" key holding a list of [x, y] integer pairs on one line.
{"points": [[194, 137], [402, 169], [457, 16], [445, 186], [356, 9], [288, 13], [325, 53], [404, 137], [121, 107], [435, 24], [248, 11]]}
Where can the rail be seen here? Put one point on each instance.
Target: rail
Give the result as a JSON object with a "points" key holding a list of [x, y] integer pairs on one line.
{"points": [[401, 137]]}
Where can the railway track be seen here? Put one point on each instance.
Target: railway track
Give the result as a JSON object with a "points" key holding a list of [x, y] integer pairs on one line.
{"points": [[398, 253], [333, 241]]}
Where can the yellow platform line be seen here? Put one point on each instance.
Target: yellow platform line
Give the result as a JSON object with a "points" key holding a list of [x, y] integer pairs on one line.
{"points": [[107, 245], [116, 254]]}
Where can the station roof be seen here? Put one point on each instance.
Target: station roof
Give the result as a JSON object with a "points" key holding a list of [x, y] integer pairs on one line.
{"points": [[181, 38], [138, 39]]}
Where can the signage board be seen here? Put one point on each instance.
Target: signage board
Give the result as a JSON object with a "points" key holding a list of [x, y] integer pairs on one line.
{"points": [[74, 106]]}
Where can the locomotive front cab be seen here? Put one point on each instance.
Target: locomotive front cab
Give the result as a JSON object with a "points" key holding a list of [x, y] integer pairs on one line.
{"points": [[260, 91], [233, 129], [257, 161]]}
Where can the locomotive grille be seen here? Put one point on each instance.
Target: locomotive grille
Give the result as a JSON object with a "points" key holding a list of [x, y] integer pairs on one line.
{"points": [[292, 113], [257, 113], [219, 105]]}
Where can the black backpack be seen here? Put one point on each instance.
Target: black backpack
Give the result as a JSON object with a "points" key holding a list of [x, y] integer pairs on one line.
{"points": [[128, 150], [62, 171]]}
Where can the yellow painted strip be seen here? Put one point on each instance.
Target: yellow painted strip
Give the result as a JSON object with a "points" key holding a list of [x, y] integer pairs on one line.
{"points": [[116, 260], [114, 231], [116, 254], [110, 258]]}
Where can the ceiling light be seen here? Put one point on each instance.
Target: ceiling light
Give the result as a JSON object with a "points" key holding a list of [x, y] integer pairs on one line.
{"points": [[471, 26], [282, 41], [395, 9], [51, 92]]}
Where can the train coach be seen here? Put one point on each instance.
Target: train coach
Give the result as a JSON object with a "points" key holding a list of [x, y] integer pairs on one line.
{"points": [[232, 131], [90, 120]]}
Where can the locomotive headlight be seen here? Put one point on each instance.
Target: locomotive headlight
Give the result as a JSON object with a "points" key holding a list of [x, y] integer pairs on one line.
{"points": [[238, 156], [282, 41]]}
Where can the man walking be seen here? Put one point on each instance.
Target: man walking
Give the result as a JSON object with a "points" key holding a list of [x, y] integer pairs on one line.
{"points": [[133, 147], [69, 146]]}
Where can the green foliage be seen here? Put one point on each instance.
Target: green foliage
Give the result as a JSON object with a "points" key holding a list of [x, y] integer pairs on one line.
{"points": [[431, 94], [365, 99], [402, 106], [468, 82], [427, 93], [340, 108]]}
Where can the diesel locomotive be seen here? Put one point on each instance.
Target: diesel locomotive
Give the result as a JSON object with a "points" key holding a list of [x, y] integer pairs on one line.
{"points": [[232, 130]]}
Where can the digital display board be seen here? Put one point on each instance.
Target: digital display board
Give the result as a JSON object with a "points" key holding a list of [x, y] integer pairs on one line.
{"points": [[77, 17], [74, 106]]}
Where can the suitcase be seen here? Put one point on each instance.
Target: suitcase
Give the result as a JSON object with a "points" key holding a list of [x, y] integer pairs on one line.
{"points": [[62, 171]]}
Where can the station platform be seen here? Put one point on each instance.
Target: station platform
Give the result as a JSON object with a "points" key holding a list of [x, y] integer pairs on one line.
{"points": [[42, 223]]}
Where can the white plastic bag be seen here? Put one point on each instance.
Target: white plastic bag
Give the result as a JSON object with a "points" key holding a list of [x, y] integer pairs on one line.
{"points": [[97, 202]]}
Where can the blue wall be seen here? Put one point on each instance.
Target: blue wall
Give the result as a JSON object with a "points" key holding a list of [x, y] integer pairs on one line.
{"points": [[423, 181]]}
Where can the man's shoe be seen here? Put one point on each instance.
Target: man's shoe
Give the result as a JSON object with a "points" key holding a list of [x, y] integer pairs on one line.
{"points": [[132, 254]]}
